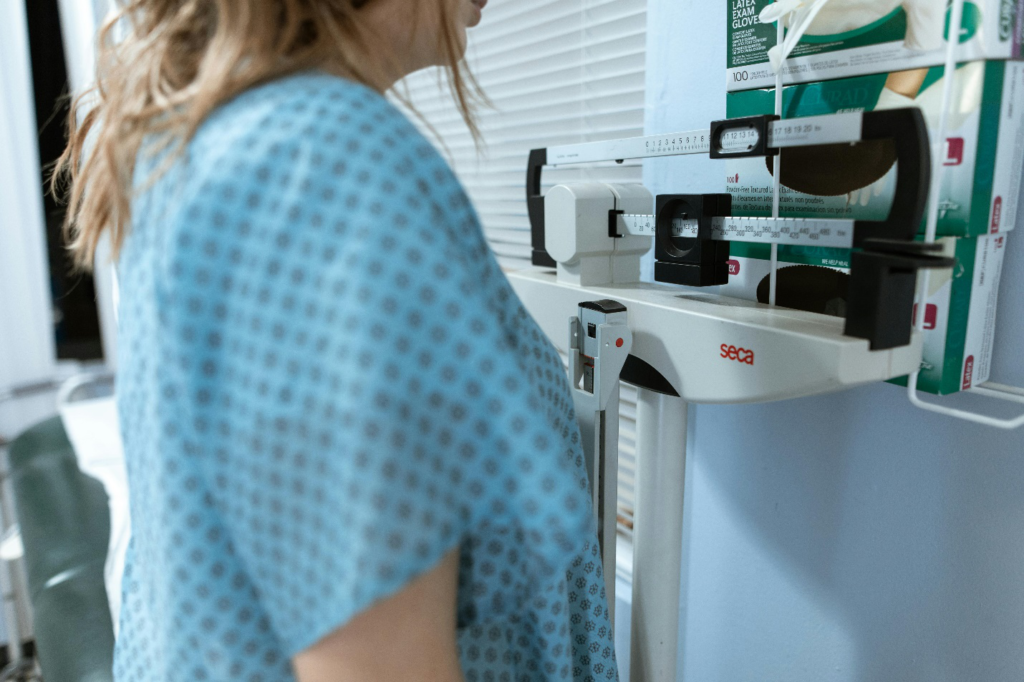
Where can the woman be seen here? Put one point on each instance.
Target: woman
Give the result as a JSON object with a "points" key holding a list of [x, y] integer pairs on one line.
{"points": [[351, 452]]}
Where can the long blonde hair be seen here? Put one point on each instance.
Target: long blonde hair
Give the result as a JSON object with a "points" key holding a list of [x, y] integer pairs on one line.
{"points": [[179, 61]]}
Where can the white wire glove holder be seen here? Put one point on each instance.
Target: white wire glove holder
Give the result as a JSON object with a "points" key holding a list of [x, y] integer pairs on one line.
{"points": [[988, 389]]}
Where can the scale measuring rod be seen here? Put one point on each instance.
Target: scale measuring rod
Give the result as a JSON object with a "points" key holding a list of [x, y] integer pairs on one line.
{"points": [[755, 136]]}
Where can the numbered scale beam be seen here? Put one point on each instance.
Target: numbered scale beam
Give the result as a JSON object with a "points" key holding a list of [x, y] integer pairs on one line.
{"points": [[797, 231], [809, 131], [692, 232]]}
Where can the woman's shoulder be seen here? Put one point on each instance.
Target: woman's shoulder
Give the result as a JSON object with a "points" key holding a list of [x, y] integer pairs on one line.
{"points": [[315, 132], [321, 162], [330, 115], [305, 97]]}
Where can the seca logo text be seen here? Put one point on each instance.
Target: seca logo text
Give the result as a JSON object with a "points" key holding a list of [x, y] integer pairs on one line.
{"points": [[738, 354]]}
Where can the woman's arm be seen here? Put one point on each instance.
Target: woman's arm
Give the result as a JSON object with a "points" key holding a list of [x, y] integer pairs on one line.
{"points": [[409, 637]]}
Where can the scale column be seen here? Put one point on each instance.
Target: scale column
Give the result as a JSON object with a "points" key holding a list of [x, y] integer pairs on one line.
{"points": [[599, 343], [657, 536]]}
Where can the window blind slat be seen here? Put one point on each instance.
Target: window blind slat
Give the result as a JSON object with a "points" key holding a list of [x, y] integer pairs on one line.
{"points": [[607, 96], [558, 33], [623, 90], [508, 236]]}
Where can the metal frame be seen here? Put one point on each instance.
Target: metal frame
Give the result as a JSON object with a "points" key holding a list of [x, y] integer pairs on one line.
{"points": [[989, 390], [67, 389], [662, 419], [20, 668]]}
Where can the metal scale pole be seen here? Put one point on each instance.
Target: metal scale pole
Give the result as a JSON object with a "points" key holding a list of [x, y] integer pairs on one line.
{"points": [[657, 536], [599, 343]]}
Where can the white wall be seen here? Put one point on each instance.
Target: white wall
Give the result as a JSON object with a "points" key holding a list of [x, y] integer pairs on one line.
{"points": [[26, 330], [839, 538], [27, 351]]}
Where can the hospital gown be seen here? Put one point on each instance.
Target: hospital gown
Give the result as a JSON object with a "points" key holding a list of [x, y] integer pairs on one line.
{"points": [[326, 384]]}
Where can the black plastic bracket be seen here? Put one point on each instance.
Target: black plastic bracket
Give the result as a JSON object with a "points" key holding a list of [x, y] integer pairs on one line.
{"points": [[759, 125], [884, 264], [883, 278], [639, 373], [908, 132], [535, 207], [695, 262], [605, 305], [613, 223]]}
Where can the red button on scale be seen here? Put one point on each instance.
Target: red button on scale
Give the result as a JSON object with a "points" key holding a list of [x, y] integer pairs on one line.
{"points": [[618, 344]]}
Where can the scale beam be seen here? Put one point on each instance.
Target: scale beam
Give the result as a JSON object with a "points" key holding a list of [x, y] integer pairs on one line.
{"points": [[692, 232], [796, 231], [809, 131]]}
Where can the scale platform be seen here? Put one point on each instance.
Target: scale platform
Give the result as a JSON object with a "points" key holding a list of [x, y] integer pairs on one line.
{"points": [[716, 349]]}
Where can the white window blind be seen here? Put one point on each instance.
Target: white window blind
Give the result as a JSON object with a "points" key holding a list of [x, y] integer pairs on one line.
{"points": [[557, 72]]}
